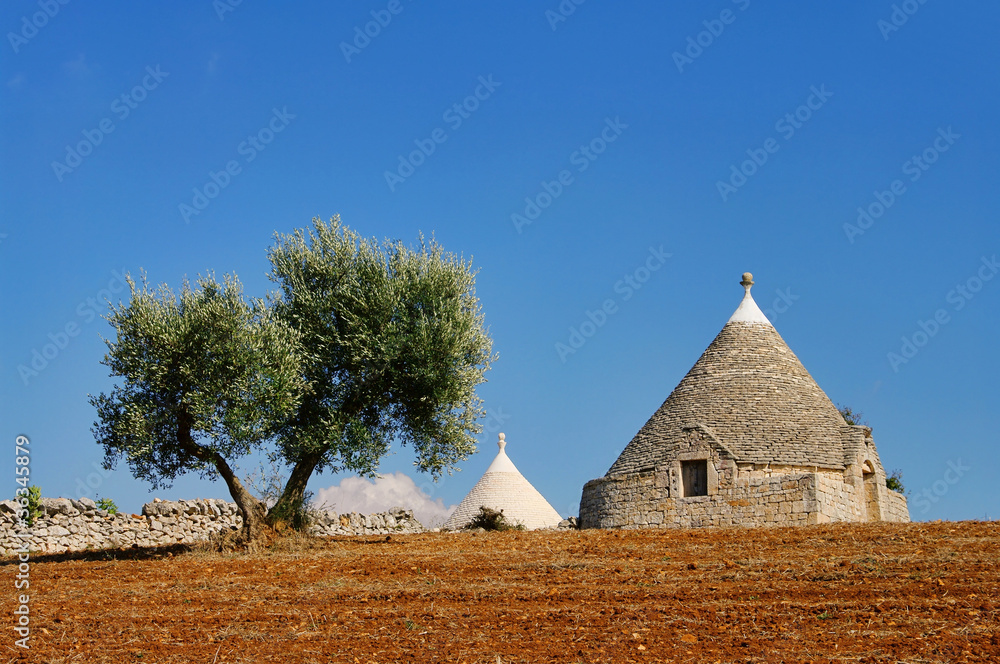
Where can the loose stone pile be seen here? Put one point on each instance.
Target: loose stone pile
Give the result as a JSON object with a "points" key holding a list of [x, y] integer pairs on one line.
{"points": [[77, 525]]}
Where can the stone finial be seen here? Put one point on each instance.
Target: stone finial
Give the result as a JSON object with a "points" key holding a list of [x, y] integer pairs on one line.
{"points": [[747, 281], [502, 442]]}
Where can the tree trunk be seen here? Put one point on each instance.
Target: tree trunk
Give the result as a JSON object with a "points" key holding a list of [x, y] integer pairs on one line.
{"points": [[251, 509], [289, 505]]}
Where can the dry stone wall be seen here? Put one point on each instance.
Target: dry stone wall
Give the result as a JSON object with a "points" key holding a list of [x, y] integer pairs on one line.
{"points": [[77, 525], [645, 500]]}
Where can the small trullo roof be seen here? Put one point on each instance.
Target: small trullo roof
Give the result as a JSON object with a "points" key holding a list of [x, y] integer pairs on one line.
{"points": [[503, 487], [751, 394]]}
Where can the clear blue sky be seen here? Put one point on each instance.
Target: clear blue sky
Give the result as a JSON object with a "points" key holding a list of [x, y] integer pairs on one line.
{"points": [[151, 100]]}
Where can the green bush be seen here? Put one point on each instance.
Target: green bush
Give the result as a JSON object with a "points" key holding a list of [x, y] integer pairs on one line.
{"points": [[34, 504], [107, 505], [488, 519], [895, 482], [853, 417]]}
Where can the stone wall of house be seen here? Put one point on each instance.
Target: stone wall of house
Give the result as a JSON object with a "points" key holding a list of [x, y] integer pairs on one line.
{"points": [[896, 508], [838, 500], [745, 494], [78, 525], [753, 495], [645, 500]]}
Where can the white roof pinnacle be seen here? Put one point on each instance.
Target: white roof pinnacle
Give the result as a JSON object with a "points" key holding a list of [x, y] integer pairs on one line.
{"points": [[748, 311], [502, 463]]}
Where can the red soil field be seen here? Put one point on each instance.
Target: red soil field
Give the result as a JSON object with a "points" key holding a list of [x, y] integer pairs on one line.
{"points": [[837, 593]]}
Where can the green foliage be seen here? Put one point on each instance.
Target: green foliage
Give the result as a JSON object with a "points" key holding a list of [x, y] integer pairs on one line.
{"points": [[206, 363], [396, 348], [107, 505], [895, 482], [851, 416], [34, 506], [489, 519], [366, 343]]}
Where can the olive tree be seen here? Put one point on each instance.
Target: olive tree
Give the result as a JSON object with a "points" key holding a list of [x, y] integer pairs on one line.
{"points": [[206, 377], [394, 348], [364, 344]]}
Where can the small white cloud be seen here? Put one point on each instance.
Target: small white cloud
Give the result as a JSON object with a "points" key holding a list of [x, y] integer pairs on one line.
{"points": [[213, 64], [356, 494]]}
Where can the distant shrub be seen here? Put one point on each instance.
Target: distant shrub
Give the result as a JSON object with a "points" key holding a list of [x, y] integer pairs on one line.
{"points": [[34, 505], [895, 482], [107, 505], [489, 519], [853, 417]]}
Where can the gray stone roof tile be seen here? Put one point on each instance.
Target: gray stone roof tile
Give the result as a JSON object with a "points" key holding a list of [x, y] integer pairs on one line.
{"points": [[754, 395]]}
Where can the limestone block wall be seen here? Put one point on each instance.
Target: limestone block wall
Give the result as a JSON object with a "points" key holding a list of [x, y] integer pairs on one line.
{"points": [[645, 500], [897, 508], [757, 495], [837, 500], [77, 525]]}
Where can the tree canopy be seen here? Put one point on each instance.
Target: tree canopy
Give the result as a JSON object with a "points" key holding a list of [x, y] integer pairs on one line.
{"points": [[208, 377], [364, 344], [396, 347]]}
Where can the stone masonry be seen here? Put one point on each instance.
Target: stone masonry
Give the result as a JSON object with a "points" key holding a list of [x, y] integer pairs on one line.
{"points": [[78, 525]]}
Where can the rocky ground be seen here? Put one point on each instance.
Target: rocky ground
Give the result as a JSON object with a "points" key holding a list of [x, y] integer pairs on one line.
{"points": [[840, 593]]}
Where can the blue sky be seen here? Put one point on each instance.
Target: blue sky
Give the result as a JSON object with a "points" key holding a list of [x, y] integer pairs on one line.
{"points": [[627, 124]]}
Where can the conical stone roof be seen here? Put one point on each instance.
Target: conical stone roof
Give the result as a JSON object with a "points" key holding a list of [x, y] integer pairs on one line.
{"points": [[503, 488], [752, 395]]}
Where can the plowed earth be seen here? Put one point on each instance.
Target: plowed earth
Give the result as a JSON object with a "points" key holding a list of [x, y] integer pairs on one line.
{"points": [[840, 593]]}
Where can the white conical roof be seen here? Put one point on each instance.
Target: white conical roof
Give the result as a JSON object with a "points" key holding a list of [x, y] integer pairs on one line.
{"points": [[503, 488], [752, 395]]}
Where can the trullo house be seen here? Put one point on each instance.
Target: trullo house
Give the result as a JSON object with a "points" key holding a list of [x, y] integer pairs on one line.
{"points": [[746, 439], [503, 488]]}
